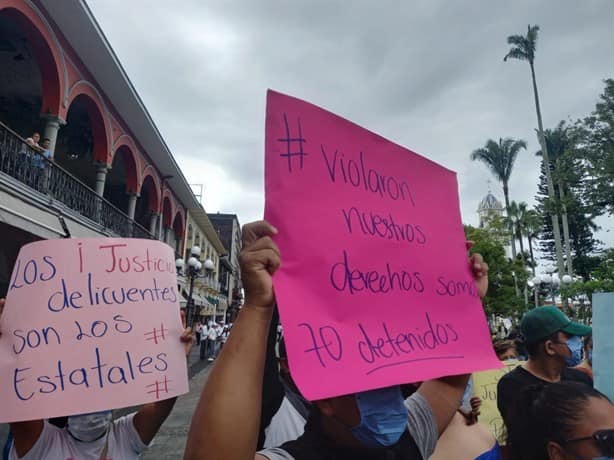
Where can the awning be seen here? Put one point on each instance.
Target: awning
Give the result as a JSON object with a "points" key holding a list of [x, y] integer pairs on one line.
{"points": [[200, 301], [183, 302]]}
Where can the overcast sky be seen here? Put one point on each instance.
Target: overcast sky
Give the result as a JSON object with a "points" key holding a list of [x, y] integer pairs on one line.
{"points": [[427, 74]]}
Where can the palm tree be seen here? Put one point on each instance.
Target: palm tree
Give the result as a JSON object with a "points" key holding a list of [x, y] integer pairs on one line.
{"points": [[499, 158], [523, 48], [557, 143], [517, 215], [531, 225]]}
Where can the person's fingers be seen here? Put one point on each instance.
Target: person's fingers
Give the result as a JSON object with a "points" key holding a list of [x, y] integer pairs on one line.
{"points": [[268, 258], [263, 243], [478, 265], [183, 320], [255, 230], [469, 244]]}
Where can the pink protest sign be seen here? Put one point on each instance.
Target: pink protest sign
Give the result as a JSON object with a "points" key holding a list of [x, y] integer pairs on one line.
{"points": [[89, 325], [374, 287]]}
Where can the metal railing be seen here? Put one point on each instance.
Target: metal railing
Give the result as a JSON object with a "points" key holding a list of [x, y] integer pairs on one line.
{"points": [[22, 162]]}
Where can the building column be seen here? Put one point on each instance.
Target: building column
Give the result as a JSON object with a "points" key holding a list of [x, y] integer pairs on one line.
{"points": [[50, 131], [132, 197], [153, 224], [101, 177]]}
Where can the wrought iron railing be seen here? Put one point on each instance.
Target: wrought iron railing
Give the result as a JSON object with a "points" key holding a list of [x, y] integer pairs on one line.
{"points": [[22, 162]]}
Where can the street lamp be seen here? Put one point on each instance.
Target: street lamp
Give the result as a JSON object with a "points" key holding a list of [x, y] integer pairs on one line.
{"points": [[193, 271], [552, 281], [209, 266]]}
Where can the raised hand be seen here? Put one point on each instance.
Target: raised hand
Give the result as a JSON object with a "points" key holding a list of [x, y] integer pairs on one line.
{"points": [[259, 259]]}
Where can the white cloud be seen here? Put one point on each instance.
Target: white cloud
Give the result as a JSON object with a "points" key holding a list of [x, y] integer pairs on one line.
{"points": [[428, 74]]}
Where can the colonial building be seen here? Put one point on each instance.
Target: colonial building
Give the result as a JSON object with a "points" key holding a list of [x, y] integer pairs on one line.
{"points": [[229, 231], [209, 296], [111, 172]]}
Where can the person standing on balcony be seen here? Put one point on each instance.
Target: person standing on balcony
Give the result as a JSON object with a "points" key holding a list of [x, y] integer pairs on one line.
{"points": [[33, 141], [39, 174]]}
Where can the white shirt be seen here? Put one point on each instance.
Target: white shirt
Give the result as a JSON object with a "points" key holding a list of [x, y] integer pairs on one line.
{"points": [[286, 425], [212, 335], [56, 443]]}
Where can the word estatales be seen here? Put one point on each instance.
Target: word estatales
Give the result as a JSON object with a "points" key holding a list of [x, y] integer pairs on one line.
{"points": [[28, 383]]}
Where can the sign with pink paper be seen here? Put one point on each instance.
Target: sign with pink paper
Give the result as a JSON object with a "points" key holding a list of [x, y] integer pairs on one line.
{"points": [[89, 325], [375, 287]]}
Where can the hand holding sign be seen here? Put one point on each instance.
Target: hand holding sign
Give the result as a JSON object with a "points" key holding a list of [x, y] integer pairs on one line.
{"points": [[374, 289], [85, 318], [259, 259]]}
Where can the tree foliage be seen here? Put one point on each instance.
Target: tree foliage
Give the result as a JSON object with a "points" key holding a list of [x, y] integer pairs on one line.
{"points": [[523, 46], [490, 242], [594, 145], [568, 174], [601, 280]]}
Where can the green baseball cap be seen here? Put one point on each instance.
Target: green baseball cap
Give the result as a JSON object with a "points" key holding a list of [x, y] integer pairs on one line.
{"points": [[539, 323]]}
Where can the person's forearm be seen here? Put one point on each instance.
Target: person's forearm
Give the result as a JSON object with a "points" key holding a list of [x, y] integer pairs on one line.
{"points": [[225, 423], [444, 396], [150, 418]]}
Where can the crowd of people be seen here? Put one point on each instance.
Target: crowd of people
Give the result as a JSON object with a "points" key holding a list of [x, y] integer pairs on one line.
{"points": [[250, 406], [211, 337]]}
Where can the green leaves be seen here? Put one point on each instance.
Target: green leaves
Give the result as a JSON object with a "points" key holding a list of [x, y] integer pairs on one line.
{"points": [[490, 242], [523, 46], [500, 156]]}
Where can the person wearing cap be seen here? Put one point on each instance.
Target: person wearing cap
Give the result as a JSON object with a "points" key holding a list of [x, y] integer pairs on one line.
{"points": [[553, 343]]}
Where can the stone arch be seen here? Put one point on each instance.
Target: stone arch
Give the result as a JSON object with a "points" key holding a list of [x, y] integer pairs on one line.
{"points": [[130, 165], [148, 202], [98, 114], [167, 210], [152, 193], [46, 49], [125, 142], [179, 223]]}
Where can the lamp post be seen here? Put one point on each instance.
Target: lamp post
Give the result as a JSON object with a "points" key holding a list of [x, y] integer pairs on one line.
{"points": [[553, 282], [209, 266], [193, 271]]}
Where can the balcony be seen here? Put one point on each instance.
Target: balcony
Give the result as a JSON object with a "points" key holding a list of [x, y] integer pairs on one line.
{"points": [[21, 162]]}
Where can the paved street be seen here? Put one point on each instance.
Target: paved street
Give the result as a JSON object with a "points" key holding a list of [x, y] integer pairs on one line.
{"points": [[171, 439]]}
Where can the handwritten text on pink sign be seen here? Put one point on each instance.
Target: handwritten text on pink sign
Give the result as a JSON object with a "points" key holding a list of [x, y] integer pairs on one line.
{"points": [[90, 324], [375, 287]]}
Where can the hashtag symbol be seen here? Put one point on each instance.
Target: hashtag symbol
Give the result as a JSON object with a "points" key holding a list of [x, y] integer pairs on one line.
{"points": [[160, 386], [288, 140], [157, 334]]}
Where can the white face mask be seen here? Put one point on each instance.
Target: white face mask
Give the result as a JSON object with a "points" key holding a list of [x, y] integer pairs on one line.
{"points": [[89, 427]]}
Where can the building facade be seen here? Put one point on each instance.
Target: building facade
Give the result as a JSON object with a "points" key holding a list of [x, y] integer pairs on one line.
{"points": [[211, 301], [489, 208], [110, 172], [229, 230]]}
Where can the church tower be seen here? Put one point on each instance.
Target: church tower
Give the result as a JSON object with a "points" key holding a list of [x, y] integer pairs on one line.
{"points": [[489, 207]]}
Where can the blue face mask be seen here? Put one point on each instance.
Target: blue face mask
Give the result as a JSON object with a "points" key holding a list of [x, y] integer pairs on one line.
{"points": [[383, 417], [575, 346]]}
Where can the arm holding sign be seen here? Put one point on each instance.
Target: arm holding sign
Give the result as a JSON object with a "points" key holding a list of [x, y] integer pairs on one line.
{"points": [[25, 434], [147, 420], [444, 394], [227, 417]]}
